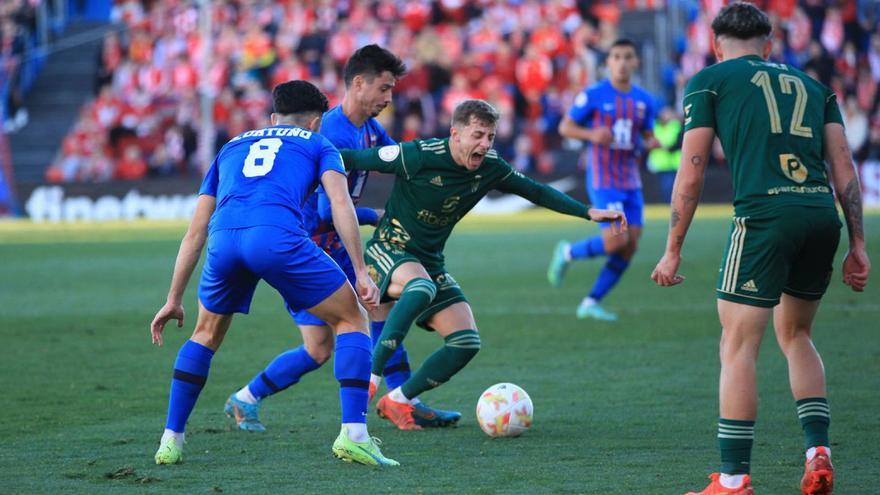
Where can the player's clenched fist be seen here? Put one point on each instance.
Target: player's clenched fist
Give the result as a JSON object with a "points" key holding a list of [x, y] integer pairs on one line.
{"points": [[666, 271], [602, 135], [856, 267], [367, 292]]}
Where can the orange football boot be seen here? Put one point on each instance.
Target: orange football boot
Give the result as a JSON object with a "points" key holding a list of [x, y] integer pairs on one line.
{"points": [[818, 474], [372, 392], [716, 488], [399, 414]]}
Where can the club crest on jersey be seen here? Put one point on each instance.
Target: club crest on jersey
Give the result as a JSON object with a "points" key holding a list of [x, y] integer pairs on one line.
{"points": [[640, 109], [389, 153]]}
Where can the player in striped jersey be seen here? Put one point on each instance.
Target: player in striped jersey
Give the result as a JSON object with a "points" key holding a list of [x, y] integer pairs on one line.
{"points": [[616, 118]]}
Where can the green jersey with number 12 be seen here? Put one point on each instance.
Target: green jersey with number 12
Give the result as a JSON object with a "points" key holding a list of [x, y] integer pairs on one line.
{"points": [[770, 119]]}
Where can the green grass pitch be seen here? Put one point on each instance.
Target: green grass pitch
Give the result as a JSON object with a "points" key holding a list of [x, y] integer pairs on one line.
{"points": [[623, 408]]}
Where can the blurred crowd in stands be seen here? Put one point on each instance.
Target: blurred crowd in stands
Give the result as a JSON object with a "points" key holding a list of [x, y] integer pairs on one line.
{"points": [[17, 38], [527, 57]]}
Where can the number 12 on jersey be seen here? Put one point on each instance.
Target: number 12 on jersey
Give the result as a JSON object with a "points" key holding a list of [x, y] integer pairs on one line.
{"points": [[787, 83], [261, 157]]}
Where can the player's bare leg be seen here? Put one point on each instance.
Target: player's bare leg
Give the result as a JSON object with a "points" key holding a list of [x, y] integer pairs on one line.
{"points": [[190, 374], [456, 325], [793, 320], [742, 329], [210, 328], [318, 341]]}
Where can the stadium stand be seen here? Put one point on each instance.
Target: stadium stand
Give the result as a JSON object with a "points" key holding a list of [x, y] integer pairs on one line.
{"points": [[528, 58]]}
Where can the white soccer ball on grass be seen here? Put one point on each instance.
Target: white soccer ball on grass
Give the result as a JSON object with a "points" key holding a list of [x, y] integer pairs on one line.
{"points": [[504, 410]]}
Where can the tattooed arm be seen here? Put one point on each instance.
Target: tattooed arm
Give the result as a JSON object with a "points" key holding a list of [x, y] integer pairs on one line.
{"points": [[856, 265], [686, 192]]}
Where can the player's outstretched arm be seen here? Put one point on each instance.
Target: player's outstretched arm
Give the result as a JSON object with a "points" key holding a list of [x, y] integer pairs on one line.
{"points": [[856, 265], [346, 224], [558, 201], [685, 195], [187, 257]]}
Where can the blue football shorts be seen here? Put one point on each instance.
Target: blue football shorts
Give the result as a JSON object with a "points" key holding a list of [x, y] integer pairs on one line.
{"points": [[340, 256], [629, 201], [292, 264]]}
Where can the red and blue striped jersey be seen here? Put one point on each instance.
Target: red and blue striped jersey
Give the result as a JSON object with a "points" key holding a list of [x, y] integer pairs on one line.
{"points": [[627, 116], [340, 131]]}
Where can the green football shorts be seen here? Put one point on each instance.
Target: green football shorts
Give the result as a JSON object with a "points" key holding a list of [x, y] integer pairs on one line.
{"points": [[382, 258], [791, 252]]}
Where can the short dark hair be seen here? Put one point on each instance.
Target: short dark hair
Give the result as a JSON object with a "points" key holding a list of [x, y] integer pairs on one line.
{"points": [[478, 109], [370, 61], [625, 42], [298, 97], [742, 21]]}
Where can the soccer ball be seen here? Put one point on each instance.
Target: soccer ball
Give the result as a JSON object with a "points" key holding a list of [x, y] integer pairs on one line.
{"points": [[504, 410]]}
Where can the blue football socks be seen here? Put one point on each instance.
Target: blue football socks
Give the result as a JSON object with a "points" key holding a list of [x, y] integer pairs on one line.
{"points": [[190, 374], [588, 248], [609, 276], [352, 370], [285, 370]]}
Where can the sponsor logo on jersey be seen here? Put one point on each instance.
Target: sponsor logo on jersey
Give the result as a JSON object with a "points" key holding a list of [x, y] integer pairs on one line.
{"points": [[608, 107], [749, 286], [687, 114], [437, 181], [390, 343], [389, 153]]}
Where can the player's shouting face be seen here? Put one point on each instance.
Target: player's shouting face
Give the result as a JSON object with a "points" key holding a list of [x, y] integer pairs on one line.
{"points": [[622, 62], [470, 143], [373, 93]]}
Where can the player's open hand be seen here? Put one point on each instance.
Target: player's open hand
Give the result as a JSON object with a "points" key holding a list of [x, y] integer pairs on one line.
{"points": [[367, 292], [169, 311], [666, 272], [856, 267], [616, 218]]}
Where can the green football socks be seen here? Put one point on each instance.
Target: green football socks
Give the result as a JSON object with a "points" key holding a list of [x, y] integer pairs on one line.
{"points": [[815, 416], [417, 294], [735, 438], [458, 349]]}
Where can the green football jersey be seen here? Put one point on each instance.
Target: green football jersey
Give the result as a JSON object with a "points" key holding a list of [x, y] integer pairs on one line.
{"points": [[432, 193], [770, 119]]}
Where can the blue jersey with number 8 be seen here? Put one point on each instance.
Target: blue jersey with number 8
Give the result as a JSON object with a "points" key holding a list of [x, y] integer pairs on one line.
{"points": [[263, 177]]}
